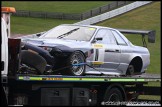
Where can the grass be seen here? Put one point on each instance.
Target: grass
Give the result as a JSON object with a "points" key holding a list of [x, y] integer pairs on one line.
{"points": [[56, 6], [151, 97], [26, 25], [143, 18]]}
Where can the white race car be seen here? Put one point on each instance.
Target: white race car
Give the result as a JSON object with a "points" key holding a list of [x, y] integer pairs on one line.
{"points": [[87, 49]]}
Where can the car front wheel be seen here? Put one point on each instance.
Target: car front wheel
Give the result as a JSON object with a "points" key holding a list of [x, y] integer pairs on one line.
{"points": [[77, 64]]}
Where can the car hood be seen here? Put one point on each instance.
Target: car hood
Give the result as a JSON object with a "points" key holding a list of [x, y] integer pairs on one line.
{"points": [[58, 42]]}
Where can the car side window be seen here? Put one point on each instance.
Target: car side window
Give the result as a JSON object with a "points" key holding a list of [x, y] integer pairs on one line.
{"points": [[119, 39], [107, 37]]}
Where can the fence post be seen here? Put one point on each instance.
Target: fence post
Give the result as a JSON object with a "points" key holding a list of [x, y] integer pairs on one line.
{"points": [[100, 10], [45, 14], [62, 16], [81, 16], [91, 13], [125, 2], [108, 7], [117, 4], [29, 14]]}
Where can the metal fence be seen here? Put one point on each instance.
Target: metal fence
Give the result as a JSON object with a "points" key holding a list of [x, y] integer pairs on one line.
{"points": [[73, 16], [113, 13]]}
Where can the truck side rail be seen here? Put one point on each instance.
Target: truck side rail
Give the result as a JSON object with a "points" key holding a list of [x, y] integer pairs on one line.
{"points": [[65, 78]]}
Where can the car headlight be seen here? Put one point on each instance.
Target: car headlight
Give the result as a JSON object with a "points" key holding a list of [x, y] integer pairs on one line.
{"points": [[47, 48]]}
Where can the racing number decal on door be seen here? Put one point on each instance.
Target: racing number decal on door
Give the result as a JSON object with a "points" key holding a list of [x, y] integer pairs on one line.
{"points": [[99, 51]]}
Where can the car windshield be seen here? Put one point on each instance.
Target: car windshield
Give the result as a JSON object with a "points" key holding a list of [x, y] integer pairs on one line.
{"points": [[72, 32]]}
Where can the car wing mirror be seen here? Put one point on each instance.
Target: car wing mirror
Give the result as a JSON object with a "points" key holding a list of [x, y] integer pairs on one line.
{"points": [[39, 34], [98, 38]]}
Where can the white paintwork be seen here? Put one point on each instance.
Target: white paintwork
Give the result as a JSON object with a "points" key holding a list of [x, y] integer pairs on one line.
{"points": [[4, 47]]}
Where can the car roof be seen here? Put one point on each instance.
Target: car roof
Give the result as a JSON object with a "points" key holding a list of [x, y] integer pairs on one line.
{"points": [[87, 26]]}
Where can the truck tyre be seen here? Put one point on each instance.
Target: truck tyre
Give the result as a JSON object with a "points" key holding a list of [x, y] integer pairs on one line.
{"points": [[76, 64], [33, 60], [114, 95]]}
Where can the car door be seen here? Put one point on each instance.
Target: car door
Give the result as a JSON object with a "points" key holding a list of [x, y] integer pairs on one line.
{"points": [[126, 50], [106, 50]]}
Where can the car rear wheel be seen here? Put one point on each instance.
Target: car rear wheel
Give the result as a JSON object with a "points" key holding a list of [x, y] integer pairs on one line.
{"points": [[130, 70], [77, 64]]}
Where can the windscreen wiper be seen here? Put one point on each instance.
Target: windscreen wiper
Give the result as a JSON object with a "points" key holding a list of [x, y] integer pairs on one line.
{"points": [[65, 34]]}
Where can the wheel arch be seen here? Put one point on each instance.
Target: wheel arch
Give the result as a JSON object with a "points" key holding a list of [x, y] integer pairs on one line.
{"points": [[81, 52], [138, 67]]}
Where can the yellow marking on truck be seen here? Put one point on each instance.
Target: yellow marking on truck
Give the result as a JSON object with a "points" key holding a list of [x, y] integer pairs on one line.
{"points": [[122, 80], [71, 79], [140, 79], [28, 78], [21, 78], [97, 63], [52, 79], [35, 78], [83, 79], [92, 79]]}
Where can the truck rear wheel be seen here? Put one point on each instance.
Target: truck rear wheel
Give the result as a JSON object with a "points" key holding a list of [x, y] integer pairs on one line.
{"points": [[113, 95]]}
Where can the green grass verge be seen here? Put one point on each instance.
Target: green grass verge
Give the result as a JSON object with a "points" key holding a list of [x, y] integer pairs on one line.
{"points": [[151, 97], [55, 6], [143, 18], [26, 25]]}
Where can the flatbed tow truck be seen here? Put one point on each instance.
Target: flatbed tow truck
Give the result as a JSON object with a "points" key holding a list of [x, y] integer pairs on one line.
{"points": [[59, 90], [63, 90]]}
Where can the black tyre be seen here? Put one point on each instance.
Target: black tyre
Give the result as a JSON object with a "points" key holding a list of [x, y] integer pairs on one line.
{"points": [[76, 58], [113, 95], [33, 60], [130, 70]]}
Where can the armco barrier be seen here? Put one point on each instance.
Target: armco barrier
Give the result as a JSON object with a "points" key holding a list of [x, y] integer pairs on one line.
{"points": [[72, 16], [113, 13]]}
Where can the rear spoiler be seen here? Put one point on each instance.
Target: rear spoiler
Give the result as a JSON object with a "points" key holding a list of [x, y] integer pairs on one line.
{"points": [[150, 33]]}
